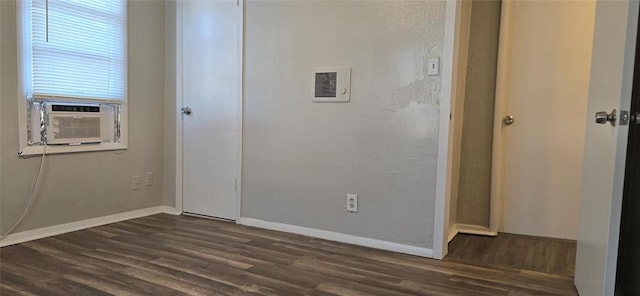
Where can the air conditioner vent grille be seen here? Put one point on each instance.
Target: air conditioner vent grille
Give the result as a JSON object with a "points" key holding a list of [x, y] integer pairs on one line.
{"points": [[76, 128], [74, 124]]}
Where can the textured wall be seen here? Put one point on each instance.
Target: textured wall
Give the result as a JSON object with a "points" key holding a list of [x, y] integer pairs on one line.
{"points": [[474, 186], [87, 185], [302, 158]]}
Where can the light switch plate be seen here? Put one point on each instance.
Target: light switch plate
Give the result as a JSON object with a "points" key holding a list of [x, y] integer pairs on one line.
{"points": [[434, 66]]}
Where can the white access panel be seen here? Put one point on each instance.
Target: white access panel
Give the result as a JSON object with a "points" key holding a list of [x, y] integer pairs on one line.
{"points": [[332, 84], [211, 89]]}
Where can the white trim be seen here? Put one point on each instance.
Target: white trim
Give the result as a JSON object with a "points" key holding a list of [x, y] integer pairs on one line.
{"points": [[57, 149], [21, 79], [240, 110], [339, 237], [171, 210], [475, 229], [39, 233], [443, 190], [179, 104], [453, 231]]}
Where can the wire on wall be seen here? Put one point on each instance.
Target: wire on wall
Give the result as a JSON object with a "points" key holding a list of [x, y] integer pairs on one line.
{"points": [[32, 196]]}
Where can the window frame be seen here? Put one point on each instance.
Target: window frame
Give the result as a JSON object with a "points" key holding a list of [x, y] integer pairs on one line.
{"points": [[24, 50]]}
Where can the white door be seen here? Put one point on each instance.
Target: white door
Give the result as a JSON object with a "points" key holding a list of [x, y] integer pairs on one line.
{"points": [[605, 147], [211, 52], [548, 59]]}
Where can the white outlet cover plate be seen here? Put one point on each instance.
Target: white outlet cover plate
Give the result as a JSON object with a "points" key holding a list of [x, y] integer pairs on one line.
{"points": [[352, 203]]}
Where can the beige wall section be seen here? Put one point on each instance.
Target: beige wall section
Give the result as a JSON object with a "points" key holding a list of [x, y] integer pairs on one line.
{"points": [[474, 185], [302, 158], [87, 185], [170, 110], [1, 95]]}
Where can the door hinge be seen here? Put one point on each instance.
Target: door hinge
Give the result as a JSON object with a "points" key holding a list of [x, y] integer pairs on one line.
{"points": [[237, 2], [235, 186]]}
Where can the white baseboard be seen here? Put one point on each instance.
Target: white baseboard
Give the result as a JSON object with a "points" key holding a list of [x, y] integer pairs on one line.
{"points": [[171, 210], [475, 229], [339, 237], [453, 231], [39, 233]]}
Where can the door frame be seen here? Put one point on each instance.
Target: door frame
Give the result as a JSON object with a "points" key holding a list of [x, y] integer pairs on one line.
{"points": [[496, 196], [179, 193], [443, 231], [450, 59]]}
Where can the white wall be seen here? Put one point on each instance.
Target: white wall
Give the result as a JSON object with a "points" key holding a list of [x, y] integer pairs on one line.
{"points": [[302, 158], [87, 185]]}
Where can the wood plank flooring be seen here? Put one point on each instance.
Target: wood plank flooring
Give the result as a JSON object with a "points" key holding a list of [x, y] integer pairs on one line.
{"points": [[179, 255], [548, 255]]}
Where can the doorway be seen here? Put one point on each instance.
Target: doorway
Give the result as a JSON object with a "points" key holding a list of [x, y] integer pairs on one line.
{"points": [[209, 61], [538, 124]]}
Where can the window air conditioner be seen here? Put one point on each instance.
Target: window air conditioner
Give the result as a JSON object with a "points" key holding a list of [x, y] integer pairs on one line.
{"points": [[74, 124]]}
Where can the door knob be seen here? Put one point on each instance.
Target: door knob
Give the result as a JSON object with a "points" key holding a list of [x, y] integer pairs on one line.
{"points": [[603, 117], [186, 110], [508, 120]]}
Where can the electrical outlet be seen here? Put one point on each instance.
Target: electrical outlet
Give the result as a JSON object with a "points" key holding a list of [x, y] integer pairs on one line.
{"points": [[148, 179], [352, 203], [135, 183]]}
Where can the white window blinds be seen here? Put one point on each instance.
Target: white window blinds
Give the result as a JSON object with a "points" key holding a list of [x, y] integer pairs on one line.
{"points": [[77, 49]]}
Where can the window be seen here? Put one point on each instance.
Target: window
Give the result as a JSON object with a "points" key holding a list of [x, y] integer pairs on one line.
{"points": [[73, 54]]}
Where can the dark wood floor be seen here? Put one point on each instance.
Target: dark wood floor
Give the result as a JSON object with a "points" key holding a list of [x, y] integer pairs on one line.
{"points": [[178, 255], [548, 255]]}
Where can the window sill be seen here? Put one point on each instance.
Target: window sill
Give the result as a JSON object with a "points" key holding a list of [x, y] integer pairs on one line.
{"points": [[60, 149]]}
